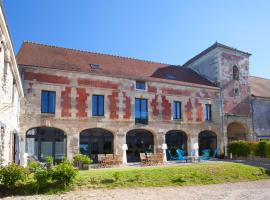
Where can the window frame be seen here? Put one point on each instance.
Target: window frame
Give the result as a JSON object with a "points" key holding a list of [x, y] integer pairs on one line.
{"points": [[97, 106], [178, 115], [48, 102], [236, 70], [141, 120], [208, 112], [145, 86]]}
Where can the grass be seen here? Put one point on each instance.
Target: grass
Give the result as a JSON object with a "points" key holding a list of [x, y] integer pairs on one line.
{"points": [[197, 174], [161, 176]]}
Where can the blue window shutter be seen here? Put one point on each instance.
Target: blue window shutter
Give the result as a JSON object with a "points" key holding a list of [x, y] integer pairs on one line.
{"points": [[44, 101], [51, 102], [94, 105]]}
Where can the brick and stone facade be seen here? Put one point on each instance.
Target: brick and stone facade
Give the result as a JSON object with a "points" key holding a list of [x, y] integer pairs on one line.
{"points": [[208, 78]]}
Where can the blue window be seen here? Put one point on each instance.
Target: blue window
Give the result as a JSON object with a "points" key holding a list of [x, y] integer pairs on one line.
{"points": [[48, 102], [177, 111], [208, 112], [140, 85], [97, 105], [141, 111]]}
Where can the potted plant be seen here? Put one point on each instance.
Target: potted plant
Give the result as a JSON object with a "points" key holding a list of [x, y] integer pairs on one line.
{"points": [[82, 161]]}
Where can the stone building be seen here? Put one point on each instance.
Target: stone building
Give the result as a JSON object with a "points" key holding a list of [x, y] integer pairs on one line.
{"points": [[10, 94], [77, 101]]}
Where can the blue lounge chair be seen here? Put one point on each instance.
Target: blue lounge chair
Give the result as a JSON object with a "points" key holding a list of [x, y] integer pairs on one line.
{"points": [[206, 154], [169, 155], [215, 154], [180, 154]]}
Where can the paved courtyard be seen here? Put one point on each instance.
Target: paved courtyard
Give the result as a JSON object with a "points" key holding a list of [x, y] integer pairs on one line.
{"points": [[259, 190]]}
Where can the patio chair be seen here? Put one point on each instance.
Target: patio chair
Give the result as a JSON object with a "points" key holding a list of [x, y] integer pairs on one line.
{"points": [[206, 154], [193, 153], [169, 155], [215, 154], [180, 154]]}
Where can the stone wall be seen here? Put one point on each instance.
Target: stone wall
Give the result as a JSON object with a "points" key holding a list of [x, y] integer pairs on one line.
{"points": [[261, 117]]}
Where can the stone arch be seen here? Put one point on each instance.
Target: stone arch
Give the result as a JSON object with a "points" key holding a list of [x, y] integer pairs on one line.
{"points": [[139, 141], [176, 139], [96, 141], [207, 140], [236, 131], [46, 141]]}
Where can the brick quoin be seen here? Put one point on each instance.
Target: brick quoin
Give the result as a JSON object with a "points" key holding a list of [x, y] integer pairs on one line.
{"points": [[154, 104], [127, 108], [199, 110], [81, 102], [46, 78], [30, 89], [175, 92], [188, 110], [66, 102], [152, 89], [97, 83], [166, 109], [113, 107]]}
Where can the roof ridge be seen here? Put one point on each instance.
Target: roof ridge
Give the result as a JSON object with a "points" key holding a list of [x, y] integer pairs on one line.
{"points": [[260, 77], [104, 54]]}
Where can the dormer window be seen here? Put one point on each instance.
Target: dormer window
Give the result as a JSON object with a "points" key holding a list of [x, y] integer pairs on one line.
{"points": [[170, 76], [94, 66], [140, 85], [235, 73]]}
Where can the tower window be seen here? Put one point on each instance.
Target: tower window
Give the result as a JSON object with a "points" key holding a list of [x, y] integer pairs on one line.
{"points": [[235, 73]]}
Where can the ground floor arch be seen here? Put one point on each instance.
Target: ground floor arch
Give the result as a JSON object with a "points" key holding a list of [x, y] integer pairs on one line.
{"points": [[236, 131], [96, 141], [207, 140], [176, 139], [139, 141], [46, 141]]}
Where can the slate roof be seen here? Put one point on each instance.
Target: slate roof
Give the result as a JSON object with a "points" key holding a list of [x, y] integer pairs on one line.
{"points": [[40, 55]]}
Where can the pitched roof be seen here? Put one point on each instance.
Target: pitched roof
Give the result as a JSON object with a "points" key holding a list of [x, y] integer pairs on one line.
{"points": [[260, 87], [215, 45], [39, 55]]}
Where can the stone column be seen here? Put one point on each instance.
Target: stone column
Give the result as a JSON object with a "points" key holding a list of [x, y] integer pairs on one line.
{"points": [[193, 144], [22, 155], [73, 146], [158, 141], [119, 141]]}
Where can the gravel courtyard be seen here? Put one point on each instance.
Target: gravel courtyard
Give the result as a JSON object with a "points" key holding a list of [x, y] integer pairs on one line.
{"points": [[259, 190]]}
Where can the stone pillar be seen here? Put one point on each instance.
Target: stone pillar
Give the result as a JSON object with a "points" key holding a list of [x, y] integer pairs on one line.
{"points": [[73, 145], [193, 144], [22, 155], [119, 141], [158, 141]]}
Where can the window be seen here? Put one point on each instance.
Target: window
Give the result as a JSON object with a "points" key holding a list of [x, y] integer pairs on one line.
{"points": [[48, 102], [177, 111], [235, 73], [141, 111], [208, 112], [94, 66], [140, 85], [97, 105]]}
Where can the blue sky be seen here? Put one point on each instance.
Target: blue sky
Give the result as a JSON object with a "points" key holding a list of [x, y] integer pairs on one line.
{"points": [[168, 31]]}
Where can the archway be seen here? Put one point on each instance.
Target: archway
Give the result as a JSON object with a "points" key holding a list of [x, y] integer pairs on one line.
{"points": [[96, 141], [176, 139], [207, 140], [236, 131], [139, 141], [46, 141]]}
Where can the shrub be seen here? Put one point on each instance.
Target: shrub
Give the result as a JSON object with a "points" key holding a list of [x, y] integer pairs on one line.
{"points": [[33, 166], [240, 148], [49, 160], [42, 176], [11, 174], [262, 148], [83, 159], [64, 173]]}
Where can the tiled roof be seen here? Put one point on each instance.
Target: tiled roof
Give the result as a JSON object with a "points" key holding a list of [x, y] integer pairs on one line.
{"points": [[260, 87], [38, 55]]}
